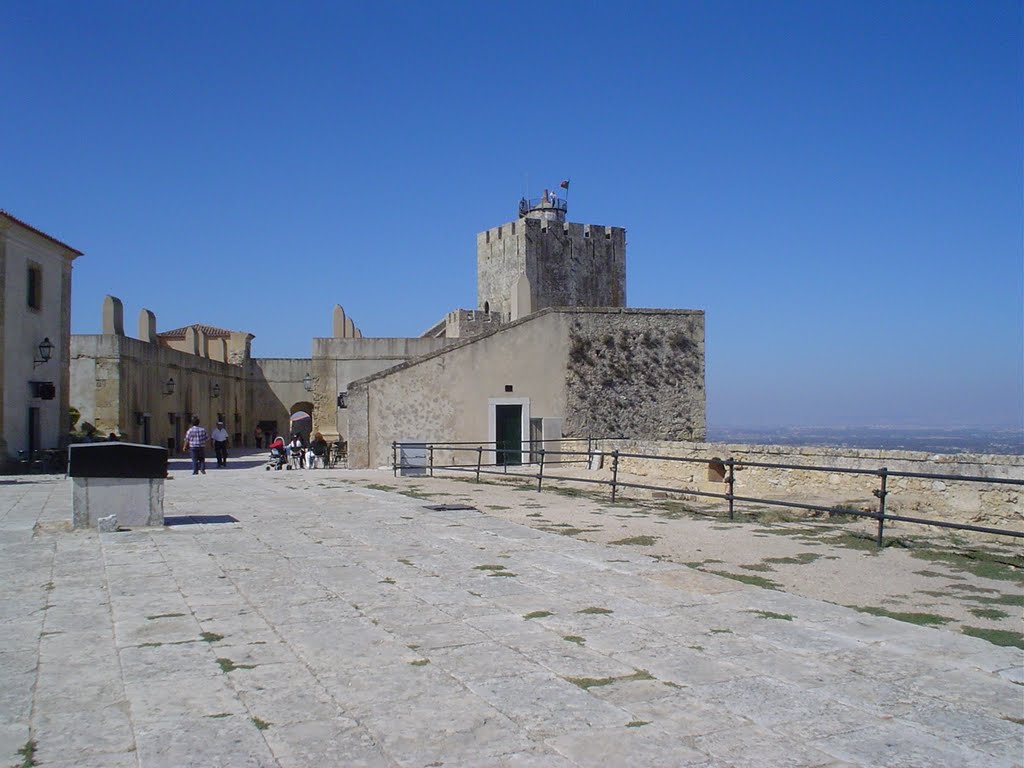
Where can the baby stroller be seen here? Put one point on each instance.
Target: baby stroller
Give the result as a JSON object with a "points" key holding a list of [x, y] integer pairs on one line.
{"points": [[278, 456]]}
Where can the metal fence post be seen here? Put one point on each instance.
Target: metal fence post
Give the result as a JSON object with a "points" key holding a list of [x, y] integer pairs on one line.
{"points": [[731, 480], [615, 473], [394, 457], [881, 494], [540, 475], [479, 458], [431, 449]]}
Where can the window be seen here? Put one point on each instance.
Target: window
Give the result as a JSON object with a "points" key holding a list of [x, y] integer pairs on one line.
{"points": [[716, 470], [35, 287]]}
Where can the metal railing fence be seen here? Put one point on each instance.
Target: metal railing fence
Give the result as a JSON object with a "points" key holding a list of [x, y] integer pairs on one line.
{"points": [[588, 457]]}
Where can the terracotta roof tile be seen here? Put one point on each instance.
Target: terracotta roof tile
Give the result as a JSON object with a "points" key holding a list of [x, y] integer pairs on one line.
{"points": [[208, 330], [39, 232]]}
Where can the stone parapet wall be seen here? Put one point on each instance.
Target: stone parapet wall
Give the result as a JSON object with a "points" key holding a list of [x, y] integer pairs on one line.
{"points": [[987, 504], [636, 372]]}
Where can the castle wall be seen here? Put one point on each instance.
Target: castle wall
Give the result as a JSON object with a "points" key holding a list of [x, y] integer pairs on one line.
{"points": [[444, 397], [648, 383], [568, 265], [338, 361], [636, 373], [276, 386], [976, 503], [117, 381]]}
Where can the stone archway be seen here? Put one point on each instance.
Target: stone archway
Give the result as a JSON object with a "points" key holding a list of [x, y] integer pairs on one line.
{"points": [[304, 425]]}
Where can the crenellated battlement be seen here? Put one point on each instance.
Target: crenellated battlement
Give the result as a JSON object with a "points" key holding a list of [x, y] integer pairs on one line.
{"points": [[566, 264]]}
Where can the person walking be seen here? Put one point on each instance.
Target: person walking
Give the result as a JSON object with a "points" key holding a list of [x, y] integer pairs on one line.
{"points": [[220, 444], [195, 442]]}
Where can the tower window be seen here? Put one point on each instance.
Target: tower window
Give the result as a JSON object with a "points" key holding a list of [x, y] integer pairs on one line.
{"points": [[35, 287]]}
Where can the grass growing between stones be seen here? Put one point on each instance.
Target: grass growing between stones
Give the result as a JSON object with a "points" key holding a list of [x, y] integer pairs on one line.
{"points": [[802, 559], [571, 492], [210, 637], [772, 615], [595, 610], [987, 565], [164, 616], [503, 573], [420, 662], [637, 723], [597, 682], [260, 724], [227, 665], [489, 568], [574, 639], [537, 615], [405, 561], [563, 529], [921, 619], [28, 754], [219, 715], [1002, 637], [989, 613], [379, 487], [1013, 600], [639, 541], [746, 578]]}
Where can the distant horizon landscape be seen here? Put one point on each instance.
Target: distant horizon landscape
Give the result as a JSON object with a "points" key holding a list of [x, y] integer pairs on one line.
{"points": [[930, 439]]}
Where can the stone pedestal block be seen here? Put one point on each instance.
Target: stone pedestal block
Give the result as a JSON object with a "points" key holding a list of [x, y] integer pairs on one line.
{"points": [[121, 480], [136, 501]]}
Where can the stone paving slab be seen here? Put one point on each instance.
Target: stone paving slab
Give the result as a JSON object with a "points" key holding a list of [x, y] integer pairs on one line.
{"points": [[335, 625]]}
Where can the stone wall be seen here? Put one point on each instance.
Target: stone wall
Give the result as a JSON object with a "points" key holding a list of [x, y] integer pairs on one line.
{"points": [[276, 389], [554, 364], [447, 395], [977, 503], [339, 361], [568, 265], [636, 373], [117, 383]]}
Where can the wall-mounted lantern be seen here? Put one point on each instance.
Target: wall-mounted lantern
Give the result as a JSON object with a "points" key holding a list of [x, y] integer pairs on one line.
{"points": [[45, 352], [307, 382], [169, 386], [215, 391], [343, 399]]}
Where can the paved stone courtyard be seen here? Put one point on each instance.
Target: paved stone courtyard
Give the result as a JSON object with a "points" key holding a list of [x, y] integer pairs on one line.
{"points": [[340, 625]]}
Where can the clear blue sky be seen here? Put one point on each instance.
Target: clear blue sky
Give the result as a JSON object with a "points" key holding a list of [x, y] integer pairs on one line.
{"points": [[838, 185]]}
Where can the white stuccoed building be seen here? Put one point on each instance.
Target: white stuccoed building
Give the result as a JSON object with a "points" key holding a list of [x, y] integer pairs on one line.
{"points": [[35, 330]]}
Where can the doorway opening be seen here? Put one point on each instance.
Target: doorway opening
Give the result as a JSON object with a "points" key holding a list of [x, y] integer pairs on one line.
{"points": [[508, 434], [33, 432]]}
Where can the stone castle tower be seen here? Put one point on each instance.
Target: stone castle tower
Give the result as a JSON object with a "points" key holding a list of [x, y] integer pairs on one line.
{"points": [[542, 260]]}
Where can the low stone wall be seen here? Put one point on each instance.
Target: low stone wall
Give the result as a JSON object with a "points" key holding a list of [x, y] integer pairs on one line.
{"points": [[987, 504]]}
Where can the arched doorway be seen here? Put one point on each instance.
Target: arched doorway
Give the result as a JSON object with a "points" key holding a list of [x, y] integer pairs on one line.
{"points": [[300, 419]]}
